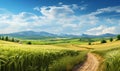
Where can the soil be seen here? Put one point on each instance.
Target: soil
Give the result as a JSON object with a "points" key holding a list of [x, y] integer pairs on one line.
{"points": [[91, 64]]}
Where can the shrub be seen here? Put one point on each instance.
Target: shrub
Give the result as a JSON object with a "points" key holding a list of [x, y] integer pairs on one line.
{"points": [[103, 41], [89, 43], [118, 37], [29, 43], [17, 40], [111, 39]]}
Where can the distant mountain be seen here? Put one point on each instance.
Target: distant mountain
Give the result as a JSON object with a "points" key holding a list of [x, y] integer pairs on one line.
{"points": [[108, 35], [88, 36], [43, 35], [69, 35], [30, 35], [38, 35], [102, 35]]}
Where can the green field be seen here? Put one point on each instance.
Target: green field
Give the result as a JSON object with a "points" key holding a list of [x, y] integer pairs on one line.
{"points": [[111, 56], [20, 57], [57, 54]]}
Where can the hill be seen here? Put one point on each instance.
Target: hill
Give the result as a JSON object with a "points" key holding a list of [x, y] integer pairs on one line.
{"points": [[38, 35], [99, 36], [46, 35]]}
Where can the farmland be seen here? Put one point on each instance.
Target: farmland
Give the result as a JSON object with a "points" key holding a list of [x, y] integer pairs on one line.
{"points": [[19, 57], [59, 35], [57, 54], [110, 55]]}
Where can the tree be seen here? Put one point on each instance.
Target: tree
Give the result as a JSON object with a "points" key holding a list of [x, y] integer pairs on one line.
{"points": [[118, 37], [80, 39], [13, 40], [6, 38], [103, 41], [2, 37], [111, 39], [29, 43]]}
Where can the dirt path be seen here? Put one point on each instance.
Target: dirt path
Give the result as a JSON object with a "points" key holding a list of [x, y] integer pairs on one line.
{"points": [[91, 64]]}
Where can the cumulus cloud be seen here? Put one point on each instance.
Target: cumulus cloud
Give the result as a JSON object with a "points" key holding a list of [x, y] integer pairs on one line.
{"points": [[101, 30], [59, 19], [108, 9]]}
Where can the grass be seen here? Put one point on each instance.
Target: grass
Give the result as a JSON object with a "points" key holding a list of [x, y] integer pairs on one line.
{"points": [[21, 57], [56, 54], [110, 53], [56, 41], [67, 63]]}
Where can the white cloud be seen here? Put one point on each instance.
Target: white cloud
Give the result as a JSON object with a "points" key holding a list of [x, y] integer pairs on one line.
{"points": [[60, 3], [101, 30], [19, 22], [52, 12], [4, 11], [75, 6], [59, 19], [108, 9], [83, 7], [36, 8]]}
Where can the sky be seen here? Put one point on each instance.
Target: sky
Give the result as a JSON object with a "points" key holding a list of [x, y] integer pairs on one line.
{"points": [[77, 17]]}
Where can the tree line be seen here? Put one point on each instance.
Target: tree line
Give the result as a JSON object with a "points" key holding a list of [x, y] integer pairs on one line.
{"points": [[11, 39], [111, 39], [104, 41]]}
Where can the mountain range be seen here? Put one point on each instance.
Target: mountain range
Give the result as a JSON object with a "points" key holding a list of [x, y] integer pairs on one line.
{"points": [[42, 35]]}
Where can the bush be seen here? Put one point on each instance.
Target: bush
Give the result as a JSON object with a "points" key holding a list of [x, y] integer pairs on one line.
{"points": [[111, 39], [89, 43], [29, 43], [17, 40], [118, 37], [103, 41]]}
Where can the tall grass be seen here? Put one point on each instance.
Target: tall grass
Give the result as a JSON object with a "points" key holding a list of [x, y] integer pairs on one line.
{"points": [[32, 58], [68, 63], [111, 59]]}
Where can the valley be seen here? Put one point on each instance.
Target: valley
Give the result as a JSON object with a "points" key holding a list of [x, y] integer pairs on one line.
{"points": [[59, 55]]}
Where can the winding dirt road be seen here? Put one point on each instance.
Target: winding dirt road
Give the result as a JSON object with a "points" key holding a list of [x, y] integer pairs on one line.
{"points": [[91, 64]]}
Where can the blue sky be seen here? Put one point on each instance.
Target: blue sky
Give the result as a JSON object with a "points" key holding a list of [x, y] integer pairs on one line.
{"points": [[60, 16]]}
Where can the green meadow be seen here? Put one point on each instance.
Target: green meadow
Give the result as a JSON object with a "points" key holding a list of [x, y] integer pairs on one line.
{"points": [[59, 54]]}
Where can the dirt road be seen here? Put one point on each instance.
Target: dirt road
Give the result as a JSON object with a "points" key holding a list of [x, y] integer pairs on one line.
{"points": [[91, 64]]}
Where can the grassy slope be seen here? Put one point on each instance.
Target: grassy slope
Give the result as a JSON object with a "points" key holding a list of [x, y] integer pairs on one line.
{"points": [[99, 46], [56, 41], [104, 50], [9, 51], [110, 53]]}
